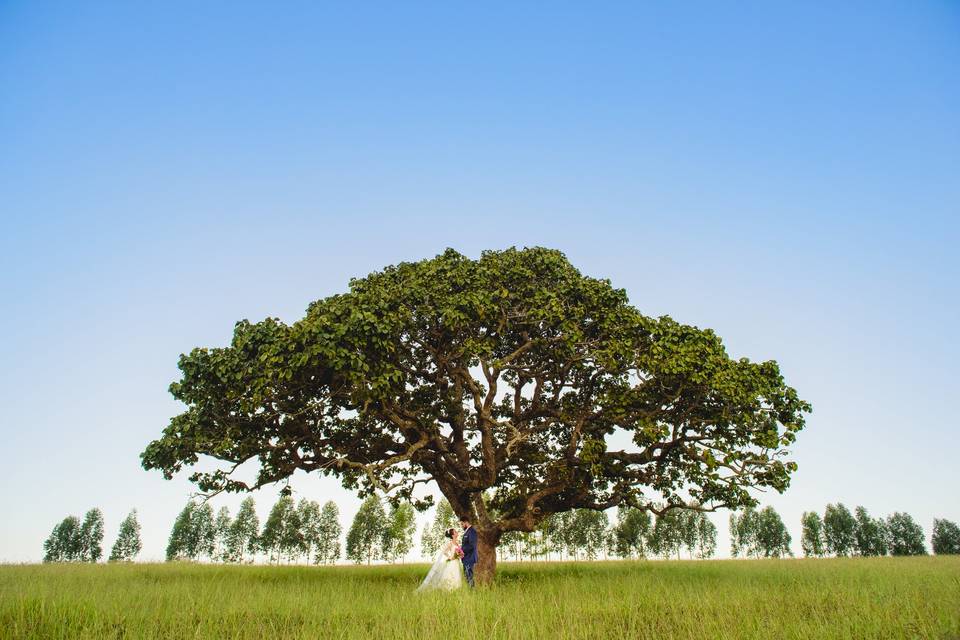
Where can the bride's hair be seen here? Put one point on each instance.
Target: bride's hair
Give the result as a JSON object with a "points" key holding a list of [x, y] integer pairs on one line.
{"points": [[449, 533]]}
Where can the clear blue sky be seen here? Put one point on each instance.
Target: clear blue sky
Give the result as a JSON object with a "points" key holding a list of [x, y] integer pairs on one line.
{"points": [[787, 174]]}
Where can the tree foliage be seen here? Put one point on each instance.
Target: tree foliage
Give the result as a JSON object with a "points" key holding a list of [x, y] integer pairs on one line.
{"points": [[432, 537], [398, 533], [180, 545], [244, 539], [630, 533], [870, 535], [906, 536], [811, 538], [759, 534], [541, 544], [328, 534], [773, 539], [64, 544], [548, 538], [283, 532], [203, 532], [127, 545], [308, 514], [666, 539], [193, 535], [73, 541], [706, 540], [587, 533], [512, 372], [743, 533], [222, 525], [946, 537], [839, 529], [365, 537], [91, 536]]}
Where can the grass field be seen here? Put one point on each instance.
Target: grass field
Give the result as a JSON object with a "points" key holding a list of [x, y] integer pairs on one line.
{"points": [[836, 598]]}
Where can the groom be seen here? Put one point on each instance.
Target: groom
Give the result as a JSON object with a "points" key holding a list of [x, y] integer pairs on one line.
{"points": [[469, 546]]}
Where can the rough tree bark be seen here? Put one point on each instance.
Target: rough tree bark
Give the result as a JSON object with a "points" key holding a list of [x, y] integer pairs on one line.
{"points": [[486, 567]]}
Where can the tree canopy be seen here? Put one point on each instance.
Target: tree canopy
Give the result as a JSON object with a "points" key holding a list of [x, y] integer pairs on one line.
{"points": [[328, 540], [629, 536], [839, 529], [513, 373], [128, 543], [870, 536], [811, 540], [244, 537], [367, 532], [946, 537], [64, 543], [905, 535]]}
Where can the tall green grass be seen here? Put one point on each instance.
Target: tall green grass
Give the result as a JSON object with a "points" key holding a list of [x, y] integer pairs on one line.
{"points": [[836, 598]]}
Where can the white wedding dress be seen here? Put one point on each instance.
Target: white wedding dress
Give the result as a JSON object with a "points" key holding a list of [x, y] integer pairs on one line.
{"points": [[445, 573]]}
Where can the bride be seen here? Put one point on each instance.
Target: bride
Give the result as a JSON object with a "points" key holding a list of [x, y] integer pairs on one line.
{"points": [[445, 572]]}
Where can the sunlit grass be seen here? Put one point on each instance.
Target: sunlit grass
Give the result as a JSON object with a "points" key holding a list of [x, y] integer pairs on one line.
{"points": [[841, 598]]}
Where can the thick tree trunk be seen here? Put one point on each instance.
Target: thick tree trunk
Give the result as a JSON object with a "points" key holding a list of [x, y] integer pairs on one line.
{"points": [[486, 567]]}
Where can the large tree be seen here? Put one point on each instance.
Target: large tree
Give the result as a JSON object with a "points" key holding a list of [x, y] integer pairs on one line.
{"points": [[512, 372]]}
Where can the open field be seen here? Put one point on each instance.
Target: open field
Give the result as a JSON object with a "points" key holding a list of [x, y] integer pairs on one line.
{"points": [[834, 598]]}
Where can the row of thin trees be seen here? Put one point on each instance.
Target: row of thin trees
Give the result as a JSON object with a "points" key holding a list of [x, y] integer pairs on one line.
{"points": [[74, 541], [588, 534], [298, 531], [838, 533], [292, 531], [841, 533]]}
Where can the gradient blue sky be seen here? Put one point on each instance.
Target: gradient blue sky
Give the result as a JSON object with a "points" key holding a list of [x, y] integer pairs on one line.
{"points": [[787, 174]]}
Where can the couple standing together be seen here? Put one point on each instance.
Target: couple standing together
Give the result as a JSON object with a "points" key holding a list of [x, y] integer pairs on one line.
{"points": [[445, 572]]}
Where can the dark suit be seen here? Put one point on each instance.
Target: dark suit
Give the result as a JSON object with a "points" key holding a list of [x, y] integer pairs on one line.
{"points": [[469, 547]]}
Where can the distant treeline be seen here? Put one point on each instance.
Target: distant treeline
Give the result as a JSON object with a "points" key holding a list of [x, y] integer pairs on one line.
{"points": [[305, 531], [841, 533], [73, 541]]}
